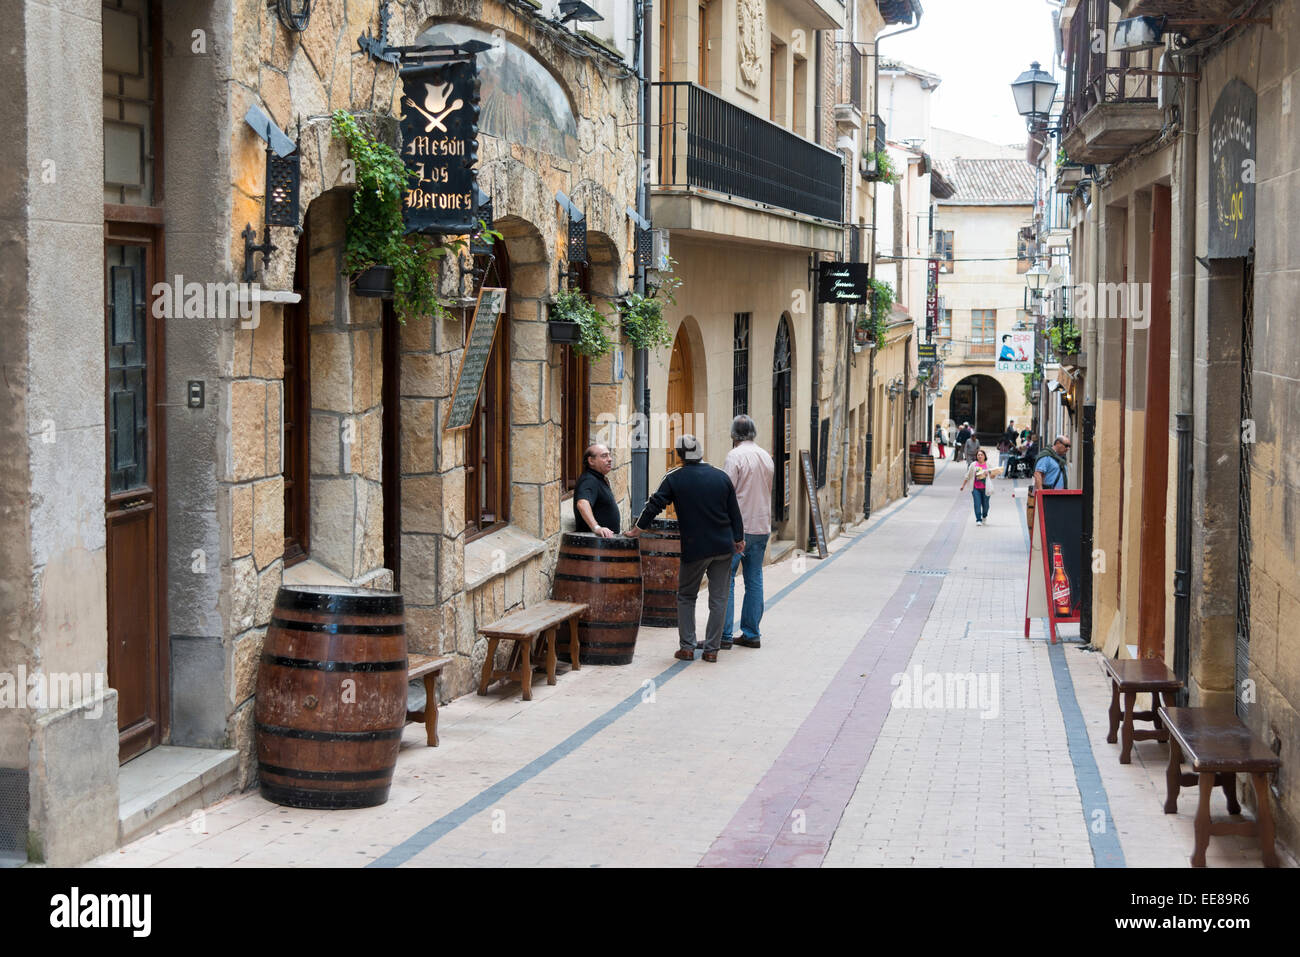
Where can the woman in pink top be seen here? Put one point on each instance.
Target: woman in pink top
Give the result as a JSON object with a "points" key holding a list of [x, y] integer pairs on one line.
{"points": [[980, 472]]}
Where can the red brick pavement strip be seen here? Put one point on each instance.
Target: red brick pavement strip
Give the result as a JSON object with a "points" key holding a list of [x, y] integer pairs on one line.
{"points": [[791, 816]]}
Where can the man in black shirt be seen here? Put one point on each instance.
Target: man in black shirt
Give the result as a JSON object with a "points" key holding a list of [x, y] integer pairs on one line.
{"points": [[712, 530], [593, 499]]}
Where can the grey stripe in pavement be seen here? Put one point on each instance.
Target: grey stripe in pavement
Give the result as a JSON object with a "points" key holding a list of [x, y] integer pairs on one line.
{"points": [[488, 797], [1106, 850]]}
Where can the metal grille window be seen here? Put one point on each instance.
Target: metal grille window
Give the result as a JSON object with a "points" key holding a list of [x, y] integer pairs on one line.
{"points": [[128, 103], [740, 364], [943, 249]]}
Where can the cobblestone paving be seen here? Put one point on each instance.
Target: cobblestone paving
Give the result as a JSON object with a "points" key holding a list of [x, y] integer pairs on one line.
{"points": [[794, 754]]}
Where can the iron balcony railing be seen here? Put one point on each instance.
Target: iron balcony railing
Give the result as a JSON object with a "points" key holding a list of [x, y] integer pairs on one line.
{"points": [[1096, 76], [704, 141], [850, 73]]}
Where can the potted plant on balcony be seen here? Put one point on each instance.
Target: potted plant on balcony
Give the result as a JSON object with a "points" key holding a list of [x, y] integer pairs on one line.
{"points": [[642, 316], [1064, 337], [576, 322], [383, 260], [877, 167]]}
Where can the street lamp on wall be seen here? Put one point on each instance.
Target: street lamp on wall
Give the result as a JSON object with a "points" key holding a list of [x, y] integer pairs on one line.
{"points": [[1034, 91]]}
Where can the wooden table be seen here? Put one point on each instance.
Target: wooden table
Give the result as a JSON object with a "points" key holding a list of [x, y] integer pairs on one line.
{"points": [[1131, 678], [1219, 747], [524, 627]]}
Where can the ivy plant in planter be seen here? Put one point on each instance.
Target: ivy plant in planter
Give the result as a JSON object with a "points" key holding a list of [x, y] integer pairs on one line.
{"points": [[873, 323], [574, 320], [643, 315], [377, 247], [1064, 338], [880, 168]]}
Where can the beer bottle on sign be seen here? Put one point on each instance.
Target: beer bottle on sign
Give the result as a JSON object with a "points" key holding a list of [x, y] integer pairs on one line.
{"points": [[1060, 585]]}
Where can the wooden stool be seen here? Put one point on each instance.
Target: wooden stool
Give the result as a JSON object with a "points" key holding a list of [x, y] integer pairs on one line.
{"points": [[428, 668], [524, 627], [1132, 678], [1220, 747]]}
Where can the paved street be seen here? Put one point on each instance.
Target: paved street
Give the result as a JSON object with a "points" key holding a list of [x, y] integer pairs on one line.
{"points": [[794, 754]]}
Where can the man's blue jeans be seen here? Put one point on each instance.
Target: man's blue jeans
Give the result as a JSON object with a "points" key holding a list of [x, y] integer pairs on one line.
{"points": [[751, 610]]}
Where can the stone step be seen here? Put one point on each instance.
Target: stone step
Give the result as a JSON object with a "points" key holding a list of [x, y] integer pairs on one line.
{"points": [[169, 783]]}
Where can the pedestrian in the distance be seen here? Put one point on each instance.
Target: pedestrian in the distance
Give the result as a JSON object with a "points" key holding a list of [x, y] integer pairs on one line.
{"points": [[979, 472], [593, 499], [972, 446], [712, 531], [750, 469], [1007, 444], [962, 435], [941, 440]]}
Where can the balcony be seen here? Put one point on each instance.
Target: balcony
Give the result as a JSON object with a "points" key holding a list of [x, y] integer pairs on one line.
{"points": [[777, 187], [1110, 98], [850, 93]]}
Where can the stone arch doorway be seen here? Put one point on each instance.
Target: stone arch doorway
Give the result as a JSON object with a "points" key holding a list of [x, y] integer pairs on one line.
{"points": [[680, 404], [981, 401], [782, 427]]}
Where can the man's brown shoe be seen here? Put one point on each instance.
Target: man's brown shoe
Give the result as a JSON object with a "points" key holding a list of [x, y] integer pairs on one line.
{"points": [[710, 656], [748, 642], [684, 655]]}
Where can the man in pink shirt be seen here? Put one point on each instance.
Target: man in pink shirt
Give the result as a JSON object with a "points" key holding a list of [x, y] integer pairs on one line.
{"points": [[750, 469]]}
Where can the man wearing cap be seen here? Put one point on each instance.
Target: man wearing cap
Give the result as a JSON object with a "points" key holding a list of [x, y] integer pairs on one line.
{"points": [[712, 531]]}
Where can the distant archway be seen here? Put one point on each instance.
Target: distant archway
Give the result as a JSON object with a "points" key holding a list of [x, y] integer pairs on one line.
{"points": [[981, 401]]}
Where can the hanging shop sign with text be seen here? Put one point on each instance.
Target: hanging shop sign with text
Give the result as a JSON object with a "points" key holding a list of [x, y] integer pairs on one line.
{"points": [[1232, 172], [440, 146], [932, 298], [842, 283]]}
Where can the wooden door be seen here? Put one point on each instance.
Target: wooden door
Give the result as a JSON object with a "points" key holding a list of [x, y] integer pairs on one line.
{"points": [[134, 506], [681, 396], [782, 438]]}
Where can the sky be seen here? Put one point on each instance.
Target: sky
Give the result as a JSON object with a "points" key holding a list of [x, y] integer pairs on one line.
{"points": [[978, 47]]}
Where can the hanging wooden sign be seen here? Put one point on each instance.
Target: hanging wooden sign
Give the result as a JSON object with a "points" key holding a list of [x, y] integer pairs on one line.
{"points": [[1232, 172], [440, 146], [473, 362]]}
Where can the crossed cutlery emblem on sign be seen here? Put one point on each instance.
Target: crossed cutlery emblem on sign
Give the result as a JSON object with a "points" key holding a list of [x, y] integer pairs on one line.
{"points": [[435, 107]]}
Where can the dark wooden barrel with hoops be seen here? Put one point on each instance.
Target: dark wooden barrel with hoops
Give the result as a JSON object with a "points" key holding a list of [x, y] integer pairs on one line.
{"points": [[605, 574], [661, 560], [331, 697]]}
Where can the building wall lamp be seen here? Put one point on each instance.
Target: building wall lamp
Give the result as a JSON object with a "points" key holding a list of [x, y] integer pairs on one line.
{"points": [[283, 185], [294, 14]]}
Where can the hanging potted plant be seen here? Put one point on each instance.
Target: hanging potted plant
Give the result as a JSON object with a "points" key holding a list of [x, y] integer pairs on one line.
{"points": [[383, 260], [578, 323], [877, 167], [874, 321], [642, 316]]}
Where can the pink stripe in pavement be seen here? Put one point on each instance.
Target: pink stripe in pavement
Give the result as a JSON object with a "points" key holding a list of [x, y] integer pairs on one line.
{"points": [[821, 766]]}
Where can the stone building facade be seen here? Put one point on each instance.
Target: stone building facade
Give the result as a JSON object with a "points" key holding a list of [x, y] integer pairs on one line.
{"points": [[295, 433], [1193, 373]]}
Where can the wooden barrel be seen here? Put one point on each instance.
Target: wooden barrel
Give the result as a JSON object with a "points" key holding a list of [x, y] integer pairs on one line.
{"points": [[661, 559], [331, 697], [922, 468], [605, 574]]}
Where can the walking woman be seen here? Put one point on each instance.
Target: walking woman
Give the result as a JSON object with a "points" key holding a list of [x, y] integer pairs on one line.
{"points": [[980, 472], [941, 440]]}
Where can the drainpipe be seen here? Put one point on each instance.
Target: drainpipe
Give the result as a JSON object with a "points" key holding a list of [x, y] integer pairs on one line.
{"points": [[871, 373], [814, 411], [1186, 381], [640, 478]]}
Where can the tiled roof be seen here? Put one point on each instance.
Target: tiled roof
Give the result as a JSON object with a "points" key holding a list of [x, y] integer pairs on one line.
{"points": [[988, 182]]}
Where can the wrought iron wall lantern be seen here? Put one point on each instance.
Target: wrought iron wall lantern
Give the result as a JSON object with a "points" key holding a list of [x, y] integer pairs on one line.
{"points": [[293, 14], [283, 186], [576, 247]]}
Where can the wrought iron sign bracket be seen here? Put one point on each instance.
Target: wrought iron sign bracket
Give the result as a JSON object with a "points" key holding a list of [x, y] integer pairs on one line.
{"points": [[379, 48], [266, 247]]}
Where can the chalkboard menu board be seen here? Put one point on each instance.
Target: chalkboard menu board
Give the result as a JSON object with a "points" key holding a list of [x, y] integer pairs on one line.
{"points": [[811, 487], [473, 363], [1232, 172]]}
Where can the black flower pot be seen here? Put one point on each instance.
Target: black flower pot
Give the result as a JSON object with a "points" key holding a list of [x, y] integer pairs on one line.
{"points": [[376, 283], [564, 331]]}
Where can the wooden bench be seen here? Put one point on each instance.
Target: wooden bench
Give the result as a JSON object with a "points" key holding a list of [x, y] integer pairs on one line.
{"points": [[428, 668], [1219, 747], [525, 627], [1131, 678]]}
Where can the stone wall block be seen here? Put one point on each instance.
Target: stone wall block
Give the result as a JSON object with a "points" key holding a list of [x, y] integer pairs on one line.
{"points": [[451, 567], [416, 424], [426, 374], [274, 407], [525, 508], [310, 94], [416, 334], [423, 626], [420, 569], [367, 452], [526, 392], [453, 502], [331, 371], [243, 595], [422, 504], [369, 528], [323, 278], [268, 584], [247, 430], [529, 341], [268, 343], [551, 509], [242, 737], [246, 652], [268, 521], [326, 439], [332, 527], [239, 499]]}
